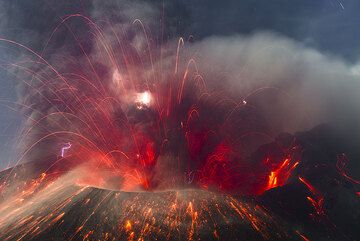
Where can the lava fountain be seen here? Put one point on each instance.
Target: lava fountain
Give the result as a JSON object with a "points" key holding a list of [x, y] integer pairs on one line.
{"points": [[138, 138]]}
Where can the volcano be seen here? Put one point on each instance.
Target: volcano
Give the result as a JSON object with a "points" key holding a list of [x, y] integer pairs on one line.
{"points": [[134, 130], [38, 202]]}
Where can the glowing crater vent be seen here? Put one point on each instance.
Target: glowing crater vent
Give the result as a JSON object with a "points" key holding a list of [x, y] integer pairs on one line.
{"points": [[143, 99]]}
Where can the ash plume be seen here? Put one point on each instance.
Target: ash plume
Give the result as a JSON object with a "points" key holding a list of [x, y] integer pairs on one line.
{"points": [[284, 85]]}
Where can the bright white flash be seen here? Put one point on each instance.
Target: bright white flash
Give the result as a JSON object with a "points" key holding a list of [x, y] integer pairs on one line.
{"points": [[143, 99]]}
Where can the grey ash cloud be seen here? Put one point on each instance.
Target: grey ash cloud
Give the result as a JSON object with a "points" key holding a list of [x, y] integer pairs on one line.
{"points": [[308, 49]]}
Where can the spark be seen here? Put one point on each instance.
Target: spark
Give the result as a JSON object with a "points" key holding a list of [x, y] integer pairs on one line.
{"points": [[302, 236], [341, 164]]}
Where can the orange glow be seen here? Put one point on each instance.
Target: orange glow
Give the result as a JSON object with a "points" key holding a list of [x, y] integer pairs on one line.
{"points": [[280, 176], [128, 226]]}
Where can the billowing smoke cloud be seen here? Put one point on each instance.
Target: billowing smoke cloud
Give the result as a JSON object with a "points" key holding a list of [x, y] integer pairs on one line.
{"points": [[289, 87], [304, 87]]}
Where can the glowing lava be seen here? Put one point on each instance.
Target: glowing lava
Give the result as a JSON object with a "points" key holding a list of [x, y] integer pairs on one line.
{"points": [[280, 176]]}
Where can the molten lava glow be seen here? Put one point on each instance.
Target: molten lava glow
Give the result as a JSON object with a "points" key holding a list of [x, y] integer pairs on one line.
{"points": [[280, 175], [128, 226]]}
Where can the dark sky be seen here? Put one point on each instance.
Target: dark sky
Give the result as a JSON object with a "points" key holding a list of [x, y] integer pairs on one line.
{"points": [[330, 26]]}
